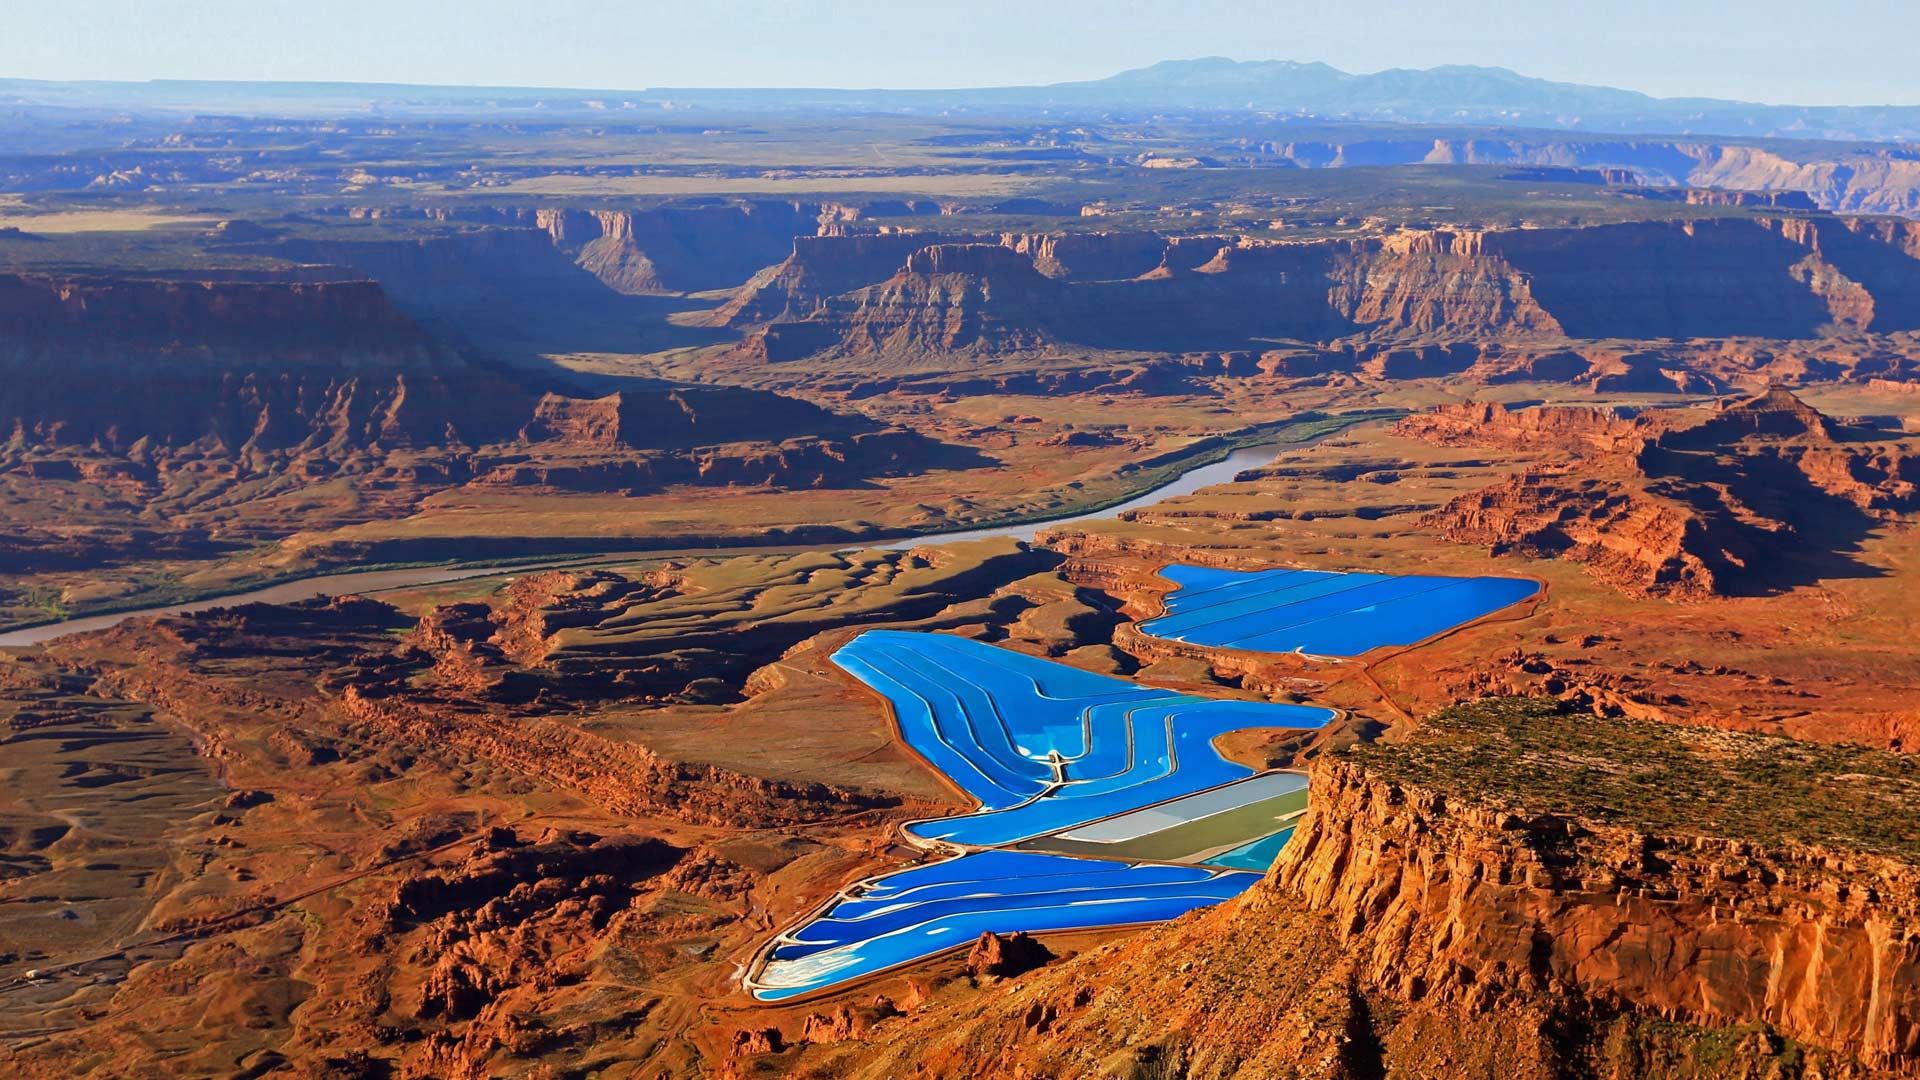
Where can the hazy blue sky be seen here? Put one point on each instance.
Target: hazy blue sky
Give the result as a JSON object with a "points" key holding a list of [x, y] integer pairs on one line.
{"points": [[1833, 52]]}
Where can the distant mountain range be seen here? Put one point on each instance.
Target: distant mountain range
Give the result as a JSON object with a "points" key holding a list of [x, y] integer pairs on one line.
{"points": [[1451, 94], [1477, 95]]}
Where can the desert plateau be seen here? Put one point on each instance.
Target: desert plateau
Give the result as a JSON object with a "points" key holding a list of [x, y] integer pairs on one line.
{"points": [[1236, 569]]}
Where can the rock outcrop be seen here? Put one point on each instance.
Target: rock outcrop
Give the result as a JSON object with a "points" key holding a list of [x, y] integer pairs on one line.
{"points": [[947, 298], [678, 417], [1600, 429], [358, 679], [1681, 503], [1002, 957], [1631, 539], [1091, 256], [819, 268]]}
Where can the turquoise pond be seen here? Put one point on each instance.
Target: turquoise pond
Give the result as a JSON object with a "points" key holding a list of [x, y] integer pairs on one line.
{"points": [[1045, 748], [1320, 612], [1258, 855]]}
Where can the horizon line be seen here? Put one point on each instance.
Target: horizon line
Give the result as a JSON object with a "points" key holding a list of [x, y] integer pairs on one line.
{"points": [[161, 81]]}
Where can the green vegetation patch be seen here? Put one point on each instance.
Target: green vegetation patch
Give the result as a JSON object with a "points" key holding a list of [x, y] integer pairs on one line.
{"points": [[1191, 841], [1533, 756]]}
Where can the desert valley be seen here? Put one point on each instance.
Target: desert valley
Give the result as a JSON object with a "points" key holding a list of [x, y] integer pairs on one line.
{"points": [[1094, 580]]}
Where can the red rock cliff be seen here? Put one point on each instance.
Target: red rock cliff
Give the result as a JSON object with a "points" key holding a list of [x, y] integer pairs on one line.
{"points": [[1789, 278], [1440, 898], [247, 364]]}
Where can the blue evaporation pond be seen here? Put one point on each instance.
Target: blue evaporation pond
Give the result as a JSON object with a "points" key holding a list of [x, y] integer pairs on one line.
{"points": [[1044, 746], [926, 910], [1320, 612], [1258, 855]]}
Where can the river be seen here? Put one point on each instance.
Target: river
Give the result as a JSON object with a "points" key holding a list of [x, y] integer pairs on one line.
{"points": [[366, 581]]}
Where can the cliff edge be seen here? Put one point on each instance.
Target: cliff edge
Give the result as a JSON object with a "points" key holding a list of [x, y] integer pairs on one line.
{"points": [[1506, 890]]}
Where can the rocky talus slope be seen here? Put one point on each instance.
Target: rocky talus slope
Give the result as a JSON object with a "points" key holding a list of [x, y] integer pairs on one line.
{"points": [[1503, 891]]}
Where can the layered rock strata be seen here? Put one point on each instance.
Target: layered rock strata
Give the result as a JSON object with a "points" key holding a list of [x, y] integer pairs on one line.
{"points": [[1784, 278], [1683, 503]]}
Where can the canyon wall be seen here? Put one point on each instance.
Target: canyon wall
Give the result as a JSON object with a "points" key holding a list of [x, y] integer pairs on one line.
{"points": [[92, 314], [245, 363], [453, 270], [1863, 181], [1788, 278], [822, 283], [128, 383], [1441, 899], [1097, 256], [663, 249]]}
